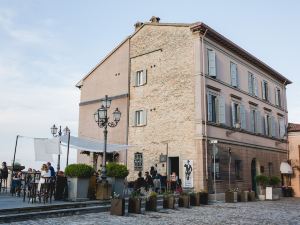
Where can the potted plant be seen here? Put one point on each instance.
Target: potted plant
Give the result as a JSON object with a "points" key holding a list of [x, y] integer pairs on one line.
{"points": [[195, 199], [231, 196], [262, 181], [203, 197], [117, 205], [151, 201], [116, 173], [134, 202], [78, 181], [184, 200], [273, 193], [168, 201]]}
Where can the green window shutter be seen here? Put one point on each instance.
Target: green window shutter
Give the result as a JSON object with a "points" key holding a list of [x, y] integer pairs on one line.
{"points": [[233, 72], [259, 129], [209, 107], [243, 117], [233, 119], [252, 120], [211, 63], [222, 109]]}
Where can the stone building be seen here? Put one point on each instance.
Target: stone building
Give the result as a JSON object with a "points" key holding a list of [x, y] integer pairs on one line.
{"points": [[294, 155], [191, 92]]}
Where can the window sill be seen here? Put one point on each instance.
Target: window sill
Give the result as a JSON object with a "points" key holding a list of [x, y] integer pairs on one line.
{"points": [[142, 125], [239, 180]]}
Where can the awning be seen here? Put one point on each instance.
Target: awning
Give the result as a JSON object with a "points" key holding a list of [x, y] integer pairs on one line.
{"points": [[286, 168], [85, 144]]}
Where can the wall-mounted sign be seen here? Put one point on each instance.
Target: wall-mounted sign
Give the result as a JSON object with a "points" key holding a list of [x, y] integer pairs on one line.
{"points": [[188, 180], [162, 158]]}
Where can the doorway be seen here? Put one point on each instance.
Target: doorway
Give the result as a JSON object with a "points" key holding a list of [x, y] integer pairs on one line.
{"points": [[253, 174], [174, 165]]}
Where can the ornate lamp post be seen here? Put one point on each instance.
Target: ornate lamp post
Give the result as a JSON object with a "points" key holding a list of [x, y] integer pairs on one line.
{"points": [[54, 132], [102, 121]]}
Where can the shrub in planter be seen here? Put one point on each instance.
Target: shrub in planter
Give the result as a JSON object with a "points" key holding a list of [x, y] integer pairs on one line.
{"points": [[184, 200], [203, 198], [134, 202], [230, 196], [169, 201], [151, 201], [262, 181], [195, 199], [117, 205], [78, 177], [117, 172], [273, 193]]}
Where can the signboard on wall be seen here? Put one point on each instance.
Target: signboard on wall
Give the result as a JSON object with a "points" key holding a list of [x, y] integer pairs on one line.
{"points": [[188, 179]]}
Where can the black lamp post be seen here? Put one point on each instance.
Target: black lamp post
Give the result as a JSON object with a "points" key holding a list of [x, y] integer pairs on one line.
{"points": [[102, 120], [54, 132]]}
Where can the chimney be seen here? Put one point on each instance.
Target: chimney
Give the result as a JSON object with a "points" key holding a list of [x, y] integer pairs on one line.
{"points": [[137, 25], [155, 19]]}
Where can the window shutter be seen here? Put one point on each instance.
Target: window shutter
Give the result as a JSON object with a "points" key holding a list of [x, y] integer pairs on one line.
{"points": [[276, 96], [252, 120], [273, 129], [233, 72], [222, 116], [250, 84], [212, 63], [255, 82], [243, 117], [144, 117], [209, 107], [144, 76], [233, 119], [269, 94], [266, 125], [134, 79], [263, 90], [258, 122], [133, 119], [281, 128]]}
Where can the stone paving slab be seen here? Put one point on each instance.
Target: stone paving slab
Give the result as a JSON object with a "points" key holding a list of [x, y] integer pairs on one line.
{"points": [[284, 211]]}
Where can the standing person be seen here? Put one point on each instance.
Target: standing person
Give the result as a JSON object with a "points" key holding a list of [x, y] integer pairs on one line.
{"points": [[157, 183], [4, 175], [139, 182], [174, 180], [45, 173], [52, 171], [153, 171], [148, 180]]}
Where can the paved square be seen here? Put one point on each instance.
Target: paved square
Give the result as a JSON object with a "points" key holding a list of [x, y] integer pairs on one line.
{"points": [[284, 211]]}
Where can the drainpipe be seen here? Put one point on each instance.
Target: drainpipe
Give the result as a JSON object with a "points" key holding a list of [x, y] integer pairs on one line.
{"points": [[205, 110], [286, 120]]}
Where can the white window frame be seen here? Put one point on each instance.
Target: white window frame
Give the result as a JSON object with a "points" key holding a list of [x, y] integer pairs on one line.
{"points": [[139, 77], [219, 108]]}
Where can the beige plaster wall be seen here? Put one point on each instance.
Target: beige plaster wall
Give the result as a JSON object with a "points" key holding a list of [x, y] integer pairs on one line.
{"points": [[109, 78], [294, 155]]}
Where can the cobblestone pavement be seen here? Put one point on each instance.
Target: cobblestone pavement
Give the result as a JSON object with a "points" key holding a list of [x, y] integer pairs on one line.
{"points": [[284, 211]]}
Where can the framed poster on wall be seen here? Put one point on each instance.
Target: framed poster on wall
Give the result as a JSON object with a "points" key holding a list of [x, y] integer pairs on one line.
{"points": [[188, 180]]}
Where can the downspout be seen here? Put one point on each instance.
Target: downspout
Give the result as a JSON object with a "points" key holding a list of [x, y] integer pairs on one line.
{"points": [[286, 120], [205, 110], [128, 101]]}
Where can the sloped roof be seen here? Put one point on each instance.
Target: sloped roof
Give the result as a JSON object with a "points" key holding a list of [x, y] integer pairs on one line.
{"points": [[293, 127]]}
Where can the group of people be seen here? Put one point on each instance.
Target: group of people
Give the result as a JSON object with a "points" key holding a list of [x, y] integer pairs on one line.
{"points": [[158, 183]]}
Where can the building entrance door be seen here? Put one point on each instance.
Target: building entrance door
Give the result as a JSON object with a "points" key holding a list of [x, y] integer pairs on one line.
{"points": [[253, 174], [174, 165]]}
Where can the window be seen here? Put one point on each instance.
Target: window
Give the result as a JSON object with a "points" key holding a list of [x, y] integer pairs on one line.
{"points": [[270, 169], [140, 78], [252, 84], [215, 108], [269, 126], [234, 74], [238, 115], [211, 63], [138, 161], [238, 169], [277, 97], [254, 125], [265, 90], [140, 118], [216, 168]]}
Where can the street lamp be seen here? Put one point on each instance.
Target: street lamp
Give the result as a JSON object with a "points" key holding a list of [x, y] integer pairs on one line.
{"points": [[67, 131], [54, 132], [102, 121]]}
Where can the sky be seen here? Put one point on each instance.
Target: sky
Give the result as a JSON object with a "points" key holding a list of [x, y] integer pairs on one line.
{"points": [[46, 47]]}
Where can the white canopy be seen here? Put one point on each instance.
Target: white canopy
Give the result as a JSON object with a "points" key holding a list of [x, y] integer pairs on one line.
{"points": [[91, 145], [286, 168]]}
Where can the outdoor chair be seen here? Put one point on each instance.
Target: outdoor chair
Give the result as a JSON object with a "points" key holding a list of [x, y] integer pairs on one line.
{"points": [[47, 189]]}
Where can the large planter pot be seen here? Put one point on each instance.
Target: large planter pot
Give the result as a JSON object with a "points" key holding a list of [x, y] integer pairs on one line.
{"points": [[117, 207], [169, 202], [103, 191], [78, 188], [151, 203], [203, 198], [195, 199], [243, 196], [261, 197], [272, 193], [134, 205], [231, 196], [117, 185], [184, 201], [92, 188], [251, 196]]}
